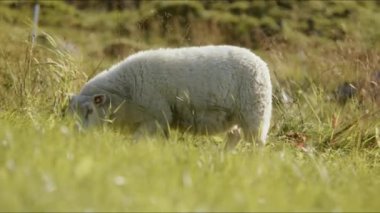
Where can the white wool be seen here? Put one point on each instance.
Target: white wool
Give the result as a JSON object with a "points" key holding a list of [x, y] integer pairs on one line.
{"points": [[205, 90]]}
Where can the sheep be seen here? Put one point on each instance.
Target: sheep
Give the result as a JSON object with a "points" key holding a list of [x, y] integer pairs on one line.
{"points": [[201, 90]]}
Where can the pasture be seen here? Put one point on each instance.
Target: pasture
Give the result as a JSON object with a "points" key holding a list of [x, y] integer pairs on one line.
{"points": [[323, 150]]}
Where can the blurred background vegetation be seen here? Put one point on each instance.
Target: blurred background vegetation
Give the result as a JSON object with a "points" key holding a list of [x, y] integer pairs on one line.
{"points": [[110, 30], [245, 23]]}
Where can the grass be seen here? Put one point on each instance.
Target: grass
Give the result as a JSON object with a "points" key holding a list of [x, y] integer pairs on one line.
{"points": [[53, 168], [320, 156]]}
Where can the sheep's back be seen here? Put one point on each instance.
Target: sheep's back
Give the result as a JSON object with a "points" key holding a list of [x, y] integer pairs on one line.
{"points": [[207, 75]]}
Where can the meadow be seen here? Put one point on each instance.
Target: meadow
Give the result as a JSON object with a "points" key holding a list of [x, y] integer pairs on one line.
{"points": [[323, 151]]}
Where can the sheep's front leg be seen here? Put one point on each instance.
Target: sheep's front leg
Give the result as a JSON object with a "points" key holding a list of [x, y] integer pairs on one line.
{"points": [[149, 129], [156, 119]]}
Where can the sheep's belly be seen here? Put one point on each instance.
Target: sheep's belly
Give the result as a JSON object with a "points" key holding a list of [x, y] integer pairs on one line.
{"points": [[203, 121]]}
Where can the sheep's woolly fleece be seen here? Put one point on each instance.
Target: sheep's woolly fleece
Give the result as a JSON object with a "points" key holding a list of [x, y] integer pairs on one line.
{"points": [[203, 90]]}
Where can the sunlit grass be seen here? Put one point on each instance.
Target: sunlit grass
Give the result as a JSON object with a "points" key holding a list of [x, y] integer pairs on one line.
{"points": [[57, 169]]}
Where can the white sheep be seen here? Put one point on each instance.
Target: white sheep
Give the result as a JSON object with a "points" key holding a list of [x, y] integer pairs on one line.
{"points": [[202, 90]]}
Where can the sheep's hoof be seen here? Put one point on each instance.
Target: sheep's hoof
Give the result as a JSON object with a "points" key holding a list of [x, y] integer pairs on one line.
{"points": [[233, 138]]}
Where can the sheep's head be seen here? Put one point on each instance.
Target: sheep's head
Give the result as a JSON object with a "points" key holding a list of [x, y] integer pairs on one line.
{"points": [[89, 111]]}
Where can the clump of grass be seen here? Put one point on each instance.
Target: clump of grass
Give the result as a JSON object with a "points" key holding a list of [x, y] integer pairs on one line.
{"points": [[39, 77]]}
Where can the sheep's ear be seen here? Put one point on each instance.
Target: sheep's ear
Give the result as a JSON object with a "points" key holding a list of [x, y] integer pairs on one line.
{"points": [[99, 99]]}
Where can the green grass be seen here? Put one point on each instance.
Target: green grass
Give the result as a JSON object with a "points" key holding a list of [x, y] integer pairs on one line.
{"points": [[320, 156], [53, 168]]}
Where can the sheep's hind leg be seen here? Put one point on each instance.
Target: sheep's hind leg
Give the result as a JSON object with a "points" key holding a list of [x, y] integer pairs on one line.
{"points": [[233, 138], [252, 134], [255, 121]]}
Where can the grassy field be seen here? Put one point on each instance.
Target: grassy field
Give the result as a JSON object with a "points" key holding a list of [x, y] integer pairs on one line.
{"points": [[322, 154]]}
